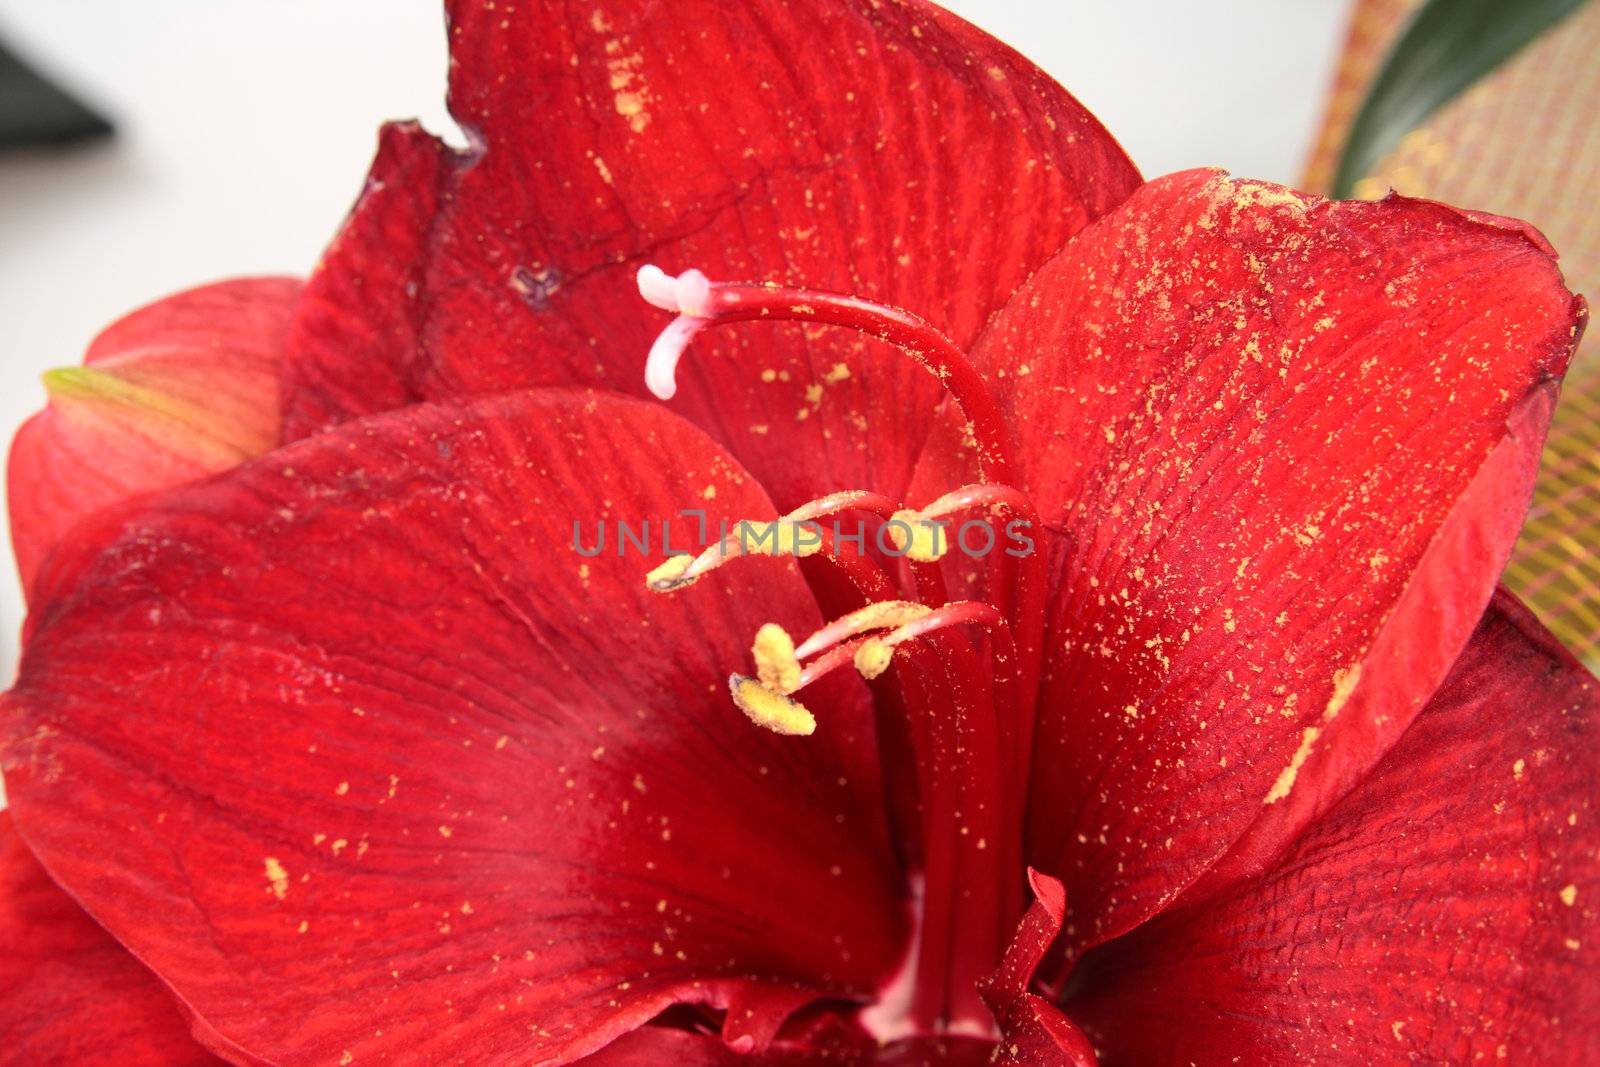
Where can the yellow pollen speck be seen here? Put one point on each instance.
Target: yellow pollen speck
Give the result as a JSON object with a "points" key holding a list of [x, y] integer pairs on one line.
{"points": [[1518, 767], [776, 664], [836, 374], [873, 658], [1569, 895], [710, 492], [1344, 683], [776, 712], [925, 543], [669, 575], [1285, 782], [277, 877]]}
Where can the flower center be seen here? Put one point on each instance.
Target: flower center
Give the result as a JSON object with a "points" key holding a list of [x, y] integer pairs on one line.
{"points": [[954, 681]]}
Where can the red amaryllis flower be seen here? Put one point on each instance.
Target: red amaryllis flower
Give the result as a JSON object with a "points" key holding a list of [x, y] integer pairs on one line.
{"points": [[1247, 762]]}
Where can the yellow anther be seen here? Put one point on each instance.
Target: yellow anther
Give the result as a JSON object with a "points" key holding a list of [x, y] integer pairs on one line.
{"points": [[776, 712], [669, 575], [873, 657], [918, 537], [776, 664]]}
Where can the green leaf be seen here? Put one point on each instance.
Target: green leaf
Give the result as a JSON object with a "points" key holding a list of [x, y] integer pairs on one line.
{"points": [[1449, 45]]}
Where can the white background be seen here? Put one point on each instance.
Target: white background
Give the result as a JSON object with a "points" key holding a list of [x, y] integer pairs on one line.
{"points": [[245, 130]]}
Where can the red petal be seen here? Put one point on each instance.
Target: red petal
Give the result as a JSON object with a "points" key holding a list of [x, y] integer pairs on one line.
{"points": [[1443, 912], [657, 1047], [179, 389], [1289, 444], [1036, 1033], [359, 755], [355, 334], [68, 992], [888, 150]]}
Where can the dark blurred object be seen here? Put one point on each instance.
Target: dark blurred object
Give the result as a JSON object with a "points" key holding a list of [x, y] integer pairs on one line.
{"points": [[35, 112]]}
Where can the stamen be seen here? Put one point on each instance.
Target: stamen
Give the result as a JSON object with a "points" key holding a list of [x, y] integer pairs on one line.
{"points": [[756, 537], [840, 642], [747, 537], [918, 536], [984, 494], [776, 664], [699, 302], [958, 735], [873, 657], [882, 615], [670, 573], [774, 711]]}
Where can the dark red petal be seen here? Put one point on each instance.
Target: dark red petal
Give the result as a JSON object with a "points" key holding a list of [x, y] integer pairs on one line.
{"points": [[1443, 912], [179, 389], [659, 1047], [355, 750], [889, 150], [1288, 444], [1035, 1032], [355, 336], [69, 993]]}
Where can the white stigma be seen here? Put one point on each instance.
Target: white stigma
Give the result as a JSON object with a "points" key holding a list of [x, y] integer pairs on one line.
{"points": [[659, 288], [688, 294]]}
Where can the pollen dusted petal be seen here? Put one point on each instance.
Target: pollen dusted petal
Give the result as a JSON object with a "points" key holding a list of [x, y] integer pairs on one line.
{"points": [[1284, 440], [772, 140], [1443, 912], [399, 723]]}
